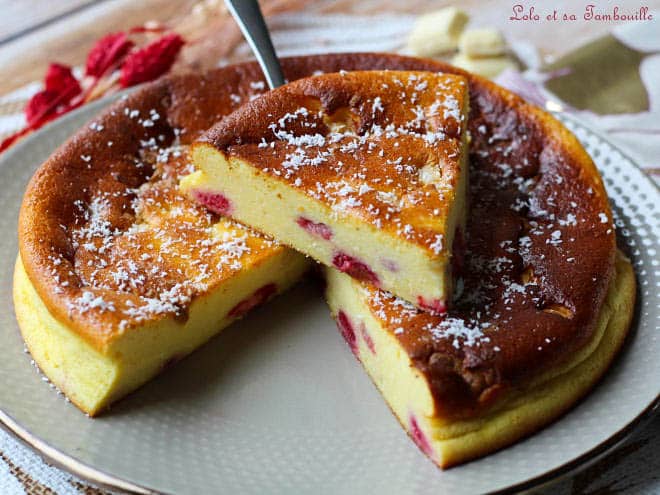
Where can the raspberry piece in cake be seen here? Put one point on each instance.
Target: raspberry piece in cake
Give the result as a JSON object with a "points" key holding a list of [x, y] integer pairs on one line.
{"points": [[353, 267], [217, 203], [317, 229], [347, 331], [363, 171], [259, 297]]}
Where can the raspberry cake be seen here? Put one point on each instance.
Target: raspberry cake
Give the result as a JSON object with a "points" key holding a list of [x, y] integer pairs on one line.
{"points": [[543, 301], [119, 274], [362, 171]]}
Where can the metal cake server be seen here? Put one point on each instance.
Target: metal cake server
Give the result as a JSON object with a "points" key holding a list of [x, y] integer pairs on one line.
{"points": [[251, 21]]}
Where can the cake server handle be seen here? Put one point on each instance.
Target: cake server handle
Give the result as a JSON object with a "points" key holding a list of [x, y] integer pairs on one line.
{"points": [[249, 18]]}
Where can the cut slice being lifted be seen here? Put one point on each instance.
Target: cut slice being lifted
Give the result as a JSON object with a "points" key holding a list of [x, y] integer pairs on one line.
{"points": [[362, 171]]}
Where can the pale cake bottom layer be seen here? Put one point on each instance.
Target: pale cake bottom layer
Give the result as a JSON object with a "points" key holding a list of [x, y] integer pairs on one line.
{"points": [[93, 379], [519, 413], [270, 206]]}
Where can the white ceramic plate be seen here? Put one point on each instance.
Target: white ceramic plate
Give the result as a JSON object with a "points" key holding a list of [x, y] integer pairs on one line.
{"points": [[277, 403]]}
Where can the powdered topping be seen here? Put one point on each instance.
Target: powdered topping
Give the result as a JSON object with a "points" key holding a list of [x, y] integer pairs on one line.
{"points": [[437, 244], [402, 317], [460, 332], [167, 253], [523, 220], [365, 159]]}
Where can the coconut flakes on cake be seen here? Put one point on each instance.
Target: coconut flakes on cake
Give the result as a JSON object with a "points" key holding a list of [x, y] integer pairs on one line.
{"points": [[170, 253]]}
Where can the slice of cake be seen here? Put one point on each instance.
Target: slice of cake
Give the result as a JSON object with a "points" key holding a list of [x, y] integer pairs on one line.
{"points": [[119, 274], [459, 386], [362, 171]]}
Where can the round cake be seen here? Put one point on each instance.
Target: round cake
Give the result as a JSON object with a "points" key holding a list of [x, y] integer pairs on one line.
{"points": [[543, 302]]}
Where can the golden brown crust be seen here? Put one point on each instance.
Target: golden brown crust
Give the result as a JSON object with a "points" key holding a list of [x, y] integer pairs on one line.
{"points": [[525, 168], [107, 239], [384, 147], [550, 400]]}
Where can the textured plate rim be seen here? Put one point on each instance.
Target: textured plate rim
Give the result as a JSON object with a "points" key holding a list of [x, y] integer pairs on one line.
{"points": [[102, 479]]}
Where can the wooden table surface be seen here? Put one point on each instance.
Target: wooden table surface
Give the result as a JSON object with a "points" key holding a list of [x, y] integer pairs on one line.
{"points": [[35, 32]]}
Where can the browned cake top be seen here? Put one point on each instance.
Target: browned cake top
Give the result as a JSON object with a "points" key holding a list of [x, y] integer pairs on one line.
{"points": [[107, 238], [138, 250], [540, 241], [382, 146]]}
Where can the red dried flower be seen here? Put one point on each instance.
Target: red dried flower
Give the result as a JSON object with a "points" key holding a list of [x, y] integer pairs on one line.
{"points": [[60, 78], [62, 91], [107, 53], [149, 27], [60, 87], [152, 61], [12, 138]]}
